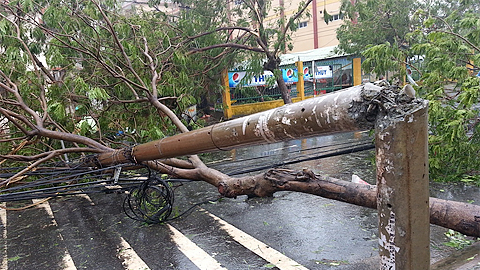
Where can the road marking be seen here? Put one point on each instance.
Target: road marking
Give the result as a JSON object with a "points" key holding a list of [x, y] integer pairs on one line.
{"points": [[267, 253], [130, 258], [67, 259], [86, 197], [197, 255], [3, 217]]}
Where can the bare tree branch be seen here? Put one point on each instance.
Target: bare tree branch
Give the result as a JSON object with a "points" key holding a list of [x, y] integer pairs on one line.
{"points": [[290, 22], [56, 152], [228, 45], [245, 29]]}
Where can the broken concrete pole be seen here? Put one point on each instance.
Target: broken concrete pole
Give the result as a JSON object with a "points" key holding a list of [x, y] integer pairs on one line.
{"points": [[401, 140]]}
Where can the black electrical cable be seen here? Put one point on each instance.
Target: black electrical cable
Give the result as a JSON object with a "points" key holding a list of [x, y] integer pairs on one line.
{"points": [[193, 206], [338, 152], [64, 181], [67, 181], [151, 201], [141, 205], [342, 145], [148, 200]]}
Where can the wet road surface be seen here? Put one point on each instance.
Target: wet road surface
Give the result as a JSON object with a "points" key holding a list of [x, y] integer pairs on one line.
{"points": [[288, 231]]}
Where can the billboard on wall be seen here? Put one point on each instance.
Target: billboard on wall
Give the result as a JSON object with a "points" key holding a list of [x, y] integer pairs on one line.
{"points": [[323, 72], [289, 76], [235, 77]]}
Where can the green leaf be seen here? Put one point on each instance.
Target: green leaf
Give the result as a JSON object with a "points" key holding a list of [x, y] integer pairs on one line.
{"points": [[3, 26], [57, 110], [97, 93], [326, 16]]}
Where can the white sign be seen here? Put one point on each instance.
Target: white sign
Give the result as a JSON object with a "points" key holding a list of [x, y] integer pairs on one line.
{"points": [[323, 72]]}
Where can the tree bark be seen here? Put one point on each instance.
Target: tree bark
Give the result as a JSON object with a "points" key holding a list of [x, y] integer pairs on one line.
{"points": [[458, 216], [282, 86]]}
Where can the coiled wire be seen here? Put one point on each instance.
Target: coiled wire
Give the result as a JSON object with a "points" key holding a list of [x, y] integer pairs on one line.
{"points": [[150, 202]]}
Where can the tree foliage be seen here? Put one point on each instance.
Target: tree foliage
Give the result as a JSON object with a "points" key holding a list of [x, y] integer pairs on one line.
{"points": [[80, 73], [258, 31], [78, 78], [370, 22], [440, 42]]}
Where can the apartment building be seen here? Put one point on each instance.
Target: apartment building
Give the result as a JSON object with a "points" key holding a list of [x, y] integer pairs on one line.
{"points": [[313, 32]]}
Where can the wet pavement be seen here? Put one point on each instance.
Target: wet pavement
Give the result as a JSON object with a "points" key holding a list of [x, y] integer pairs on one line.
{"points": [[93, 232]]}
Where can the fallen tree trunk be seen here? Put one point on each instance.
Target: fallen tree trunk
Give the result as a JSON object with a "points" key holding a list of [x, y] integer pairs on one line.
{"points": [[458, 216]]}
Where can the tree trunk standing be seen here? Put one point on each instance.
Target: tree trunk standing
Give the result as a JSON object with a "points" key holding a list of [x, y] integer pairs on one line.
{"points": [[282, 86], [273, 65]]}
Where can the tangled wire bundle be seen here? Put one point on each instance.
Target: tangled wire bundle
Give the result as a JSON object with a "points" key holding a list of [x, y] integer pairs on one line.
{"points": [[150, 202]]}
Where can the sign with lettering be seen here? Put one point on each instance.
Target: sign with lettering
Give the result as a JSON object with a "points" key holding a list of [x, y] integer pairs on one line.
{"points": [[235, 77], [290, 76], [323, 72]]}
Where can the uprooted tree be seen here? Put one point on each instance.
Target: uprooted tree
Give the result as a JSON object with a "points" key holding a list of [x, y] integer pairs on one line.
{"points": [[70, 75]]}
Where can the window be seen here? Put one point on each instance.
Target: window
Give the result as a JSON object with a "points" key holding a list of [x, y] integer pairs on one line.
{"points": [[337, 17], [302, 25]]}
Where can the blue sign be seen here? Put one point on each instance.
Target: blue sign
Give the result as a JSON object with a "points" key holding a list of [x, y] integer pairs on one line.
{"points": [[289, 76]]}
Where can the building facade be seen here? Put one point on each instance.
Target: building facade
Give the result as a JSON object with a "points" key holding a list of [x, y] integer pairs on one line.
{"points": [[312, 32]]}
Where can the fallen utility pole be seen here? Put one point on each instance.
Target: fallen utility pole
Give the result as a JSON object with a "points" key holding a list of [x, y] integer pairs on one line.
{"points": [[340, 111]]}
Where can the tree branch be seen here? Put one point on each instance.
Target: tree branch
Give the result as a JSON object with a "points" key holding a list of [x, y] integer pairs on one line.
{"points": [[246, 29], [455, 34], [290, 22], [228, 45]]}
